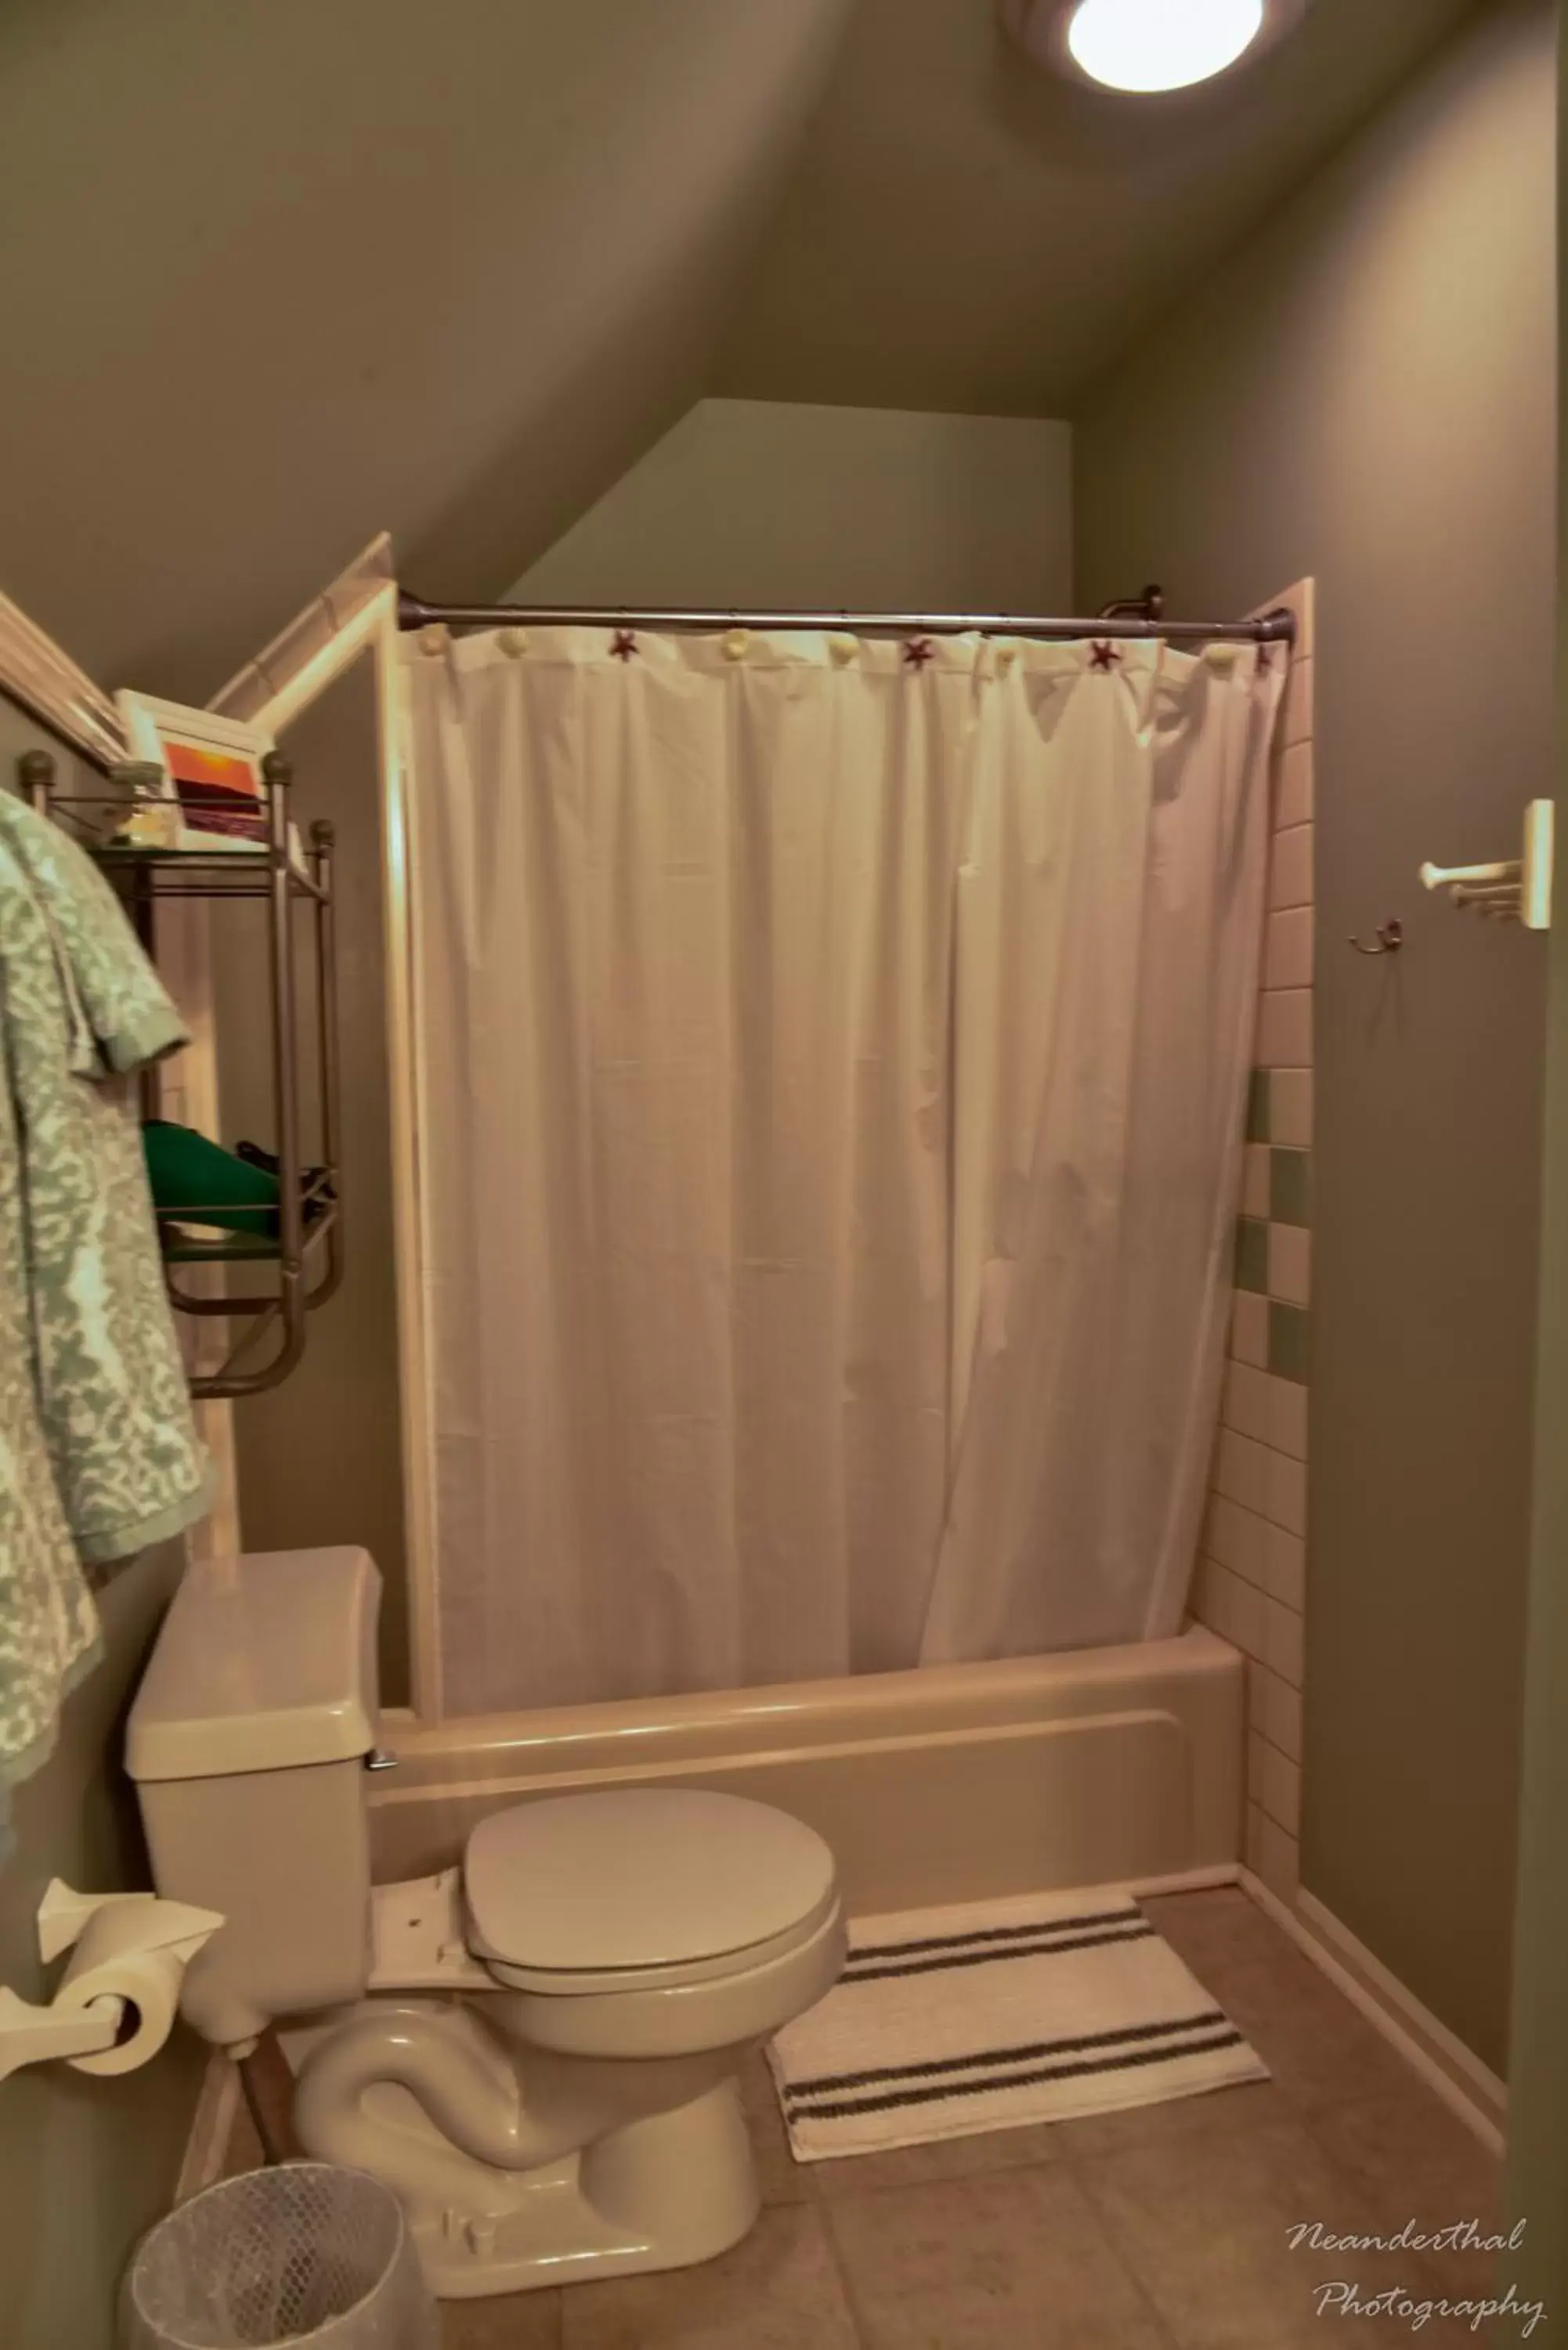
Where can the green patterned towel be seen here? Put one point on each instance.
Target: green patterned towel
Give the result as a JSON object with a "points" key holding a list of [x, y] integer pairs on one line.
{"points": [[99, 1454]]}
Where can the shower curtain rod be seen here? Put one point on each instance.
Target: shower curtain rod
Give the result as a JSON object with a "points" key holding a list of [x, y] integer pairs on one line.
{"points": [[1125, 620]]}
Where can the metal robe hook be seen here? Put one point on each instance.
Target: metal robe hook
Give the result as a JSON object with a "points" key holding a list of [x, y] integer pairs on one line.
{"points": [[1389, 938]]}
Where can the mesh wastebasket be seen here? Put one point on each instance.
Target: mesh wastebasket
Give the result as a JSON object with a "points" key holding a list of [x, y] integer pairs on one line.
{"points": [[302, 2253]]}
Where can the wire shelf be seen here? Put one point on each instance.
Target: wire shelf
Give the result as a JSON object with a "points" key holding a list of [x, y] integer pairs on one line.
{"points": [[306, 1238]]}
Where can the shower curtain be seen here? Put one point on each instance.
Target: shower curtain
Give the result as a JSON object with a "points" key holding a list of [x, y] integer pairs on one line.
{"points": [[832, 1064]]}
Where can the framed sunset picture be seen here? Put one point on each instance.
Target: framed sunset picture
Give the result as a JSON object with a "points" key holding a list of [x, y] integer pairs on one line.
{"points": [[211, 768]]}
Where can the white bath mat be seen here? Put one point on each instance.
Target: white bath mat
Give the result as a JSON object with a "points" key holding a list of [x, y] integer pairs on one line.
{"points": [[946, 2023]]}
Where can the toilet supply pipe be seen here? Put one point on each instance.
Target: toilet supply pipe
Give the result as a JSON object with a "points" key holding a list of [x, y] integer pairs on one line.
{"points": [[115, 2004]]}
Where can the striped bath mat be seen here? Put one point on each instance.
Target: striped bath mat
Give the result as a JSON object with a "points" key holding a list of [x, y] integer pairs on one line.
{"points": [[946, 2023]]}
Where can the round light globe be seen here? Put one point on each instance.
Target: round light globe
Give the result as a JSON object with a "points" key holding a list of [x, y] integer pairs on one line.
{"points": [[1151, 45]]}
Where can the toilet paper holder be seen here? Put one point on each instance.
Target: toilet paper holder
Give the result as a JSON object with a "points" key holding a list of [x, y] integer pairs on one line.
{"points": [[131, 1951]]}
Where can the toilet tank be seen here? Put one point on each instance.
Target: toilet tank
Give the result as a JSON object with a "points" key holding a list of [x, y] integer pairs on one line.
{"points": [[248, 1742]]}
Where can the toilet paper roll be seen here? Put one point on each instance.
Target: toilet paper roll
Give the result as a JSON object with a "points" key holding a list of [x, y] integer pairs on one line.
{"points": [[119, 1957]]}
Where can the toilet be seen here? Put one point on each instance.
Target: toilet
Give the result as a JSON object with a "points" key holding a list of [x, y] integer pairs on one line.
{"points": [[537, 2049]]}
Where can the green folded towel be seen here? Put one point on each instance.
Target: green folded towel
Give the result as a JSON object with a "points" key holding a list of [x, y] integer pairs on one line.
{"points": [[202, 1183]]}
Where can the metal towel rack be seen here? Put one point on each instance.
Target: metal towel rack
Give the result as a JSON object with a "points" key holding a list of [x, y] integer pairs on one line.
{"points": [[310, 1209]]}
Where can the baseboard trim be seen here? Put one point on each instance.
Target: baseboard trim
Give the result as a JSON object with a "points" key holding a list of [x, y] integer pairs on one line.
{"points": [[1183, 1880], [211, 2126], [1465, 2084]]}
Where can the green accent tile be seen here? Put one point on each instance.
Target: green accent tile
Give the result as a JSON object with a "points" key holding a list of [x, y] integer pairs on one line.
{"points": [[1290, 1187], [1289, 1340], [1257, 1107], [1253, 1255]]}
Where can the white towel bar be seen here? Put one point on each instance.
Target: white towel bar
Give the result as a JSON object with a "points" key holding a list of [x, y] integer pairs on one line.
{"points": [[1518, 889]]}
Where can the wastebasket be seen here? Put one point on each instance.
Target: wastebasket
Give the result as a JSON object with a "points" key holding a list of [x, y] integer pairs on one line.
{"points": [[302, 2253]]}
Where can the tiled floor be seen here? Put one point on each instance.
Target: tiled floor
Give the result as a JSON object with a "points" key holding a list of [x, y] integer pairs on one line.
{"points": [[1163, 2228], [1159, 2230]]}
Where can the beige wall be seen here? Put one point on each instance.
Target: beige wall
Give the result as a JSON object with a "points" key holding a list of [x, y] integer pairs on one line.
{"points": [[319, 1456], [754, 502], [1367, 394], [85, 2164]]}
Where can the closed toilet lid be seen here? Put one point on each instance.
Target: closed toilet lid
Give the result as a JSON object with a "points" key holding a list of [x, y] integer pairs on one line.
{"points": [[640, 1878]]}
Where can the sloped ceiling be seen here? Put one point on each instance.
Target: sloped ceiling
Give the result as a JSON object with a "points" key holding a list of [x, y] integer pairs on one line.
{"points": [[965, 232], [277, 274]]}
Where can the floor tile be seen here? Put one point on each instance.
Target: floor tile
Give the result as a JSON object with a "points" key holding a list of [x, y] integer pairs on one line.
{"points": [[271, 2084], [1017, 2258], [1206, 2223], [781, 2177], [1320, 2049], [1222, 1927], [1163, 2226], [515, 2321], [951, 2157], [1410, 2158], [243, 2151], [777, 2290], [1243, 2106]]}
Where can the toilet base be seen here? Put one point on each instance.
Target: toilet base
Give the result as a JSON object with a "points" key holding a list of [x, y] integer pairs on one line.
{"points": [[537, 2138], [662, 2193]]}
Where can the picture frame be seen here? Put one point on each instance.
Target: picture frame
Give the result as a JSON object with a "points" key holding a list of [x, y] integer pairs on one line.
{"points": [[211, 767]]}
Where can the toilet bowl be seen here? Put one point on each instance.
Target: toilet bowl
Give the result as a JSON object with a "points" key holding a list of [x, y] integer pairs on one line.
{"points": [[616, 1956], [539, 2049]]}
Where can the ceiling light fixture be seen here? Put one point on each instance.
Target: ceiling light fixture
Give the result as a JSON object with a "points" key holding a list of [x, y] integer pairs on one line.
{"points": [[1150, 45], [1147, 46]]}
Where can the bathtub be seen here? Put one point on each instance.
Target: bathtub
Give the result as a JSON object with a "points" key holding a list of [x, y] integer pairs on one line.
{"points": [[955, 1783]]}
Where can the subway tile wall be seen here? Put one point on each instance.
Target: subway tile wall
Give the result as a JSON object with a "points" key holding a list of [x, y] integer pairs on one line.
{"points": [[1250, 1581]]}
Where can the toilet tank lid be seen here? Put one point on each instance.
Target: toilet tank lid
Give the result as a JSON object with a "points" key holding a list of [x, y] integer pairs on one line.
{"points": [[264, 1662]]}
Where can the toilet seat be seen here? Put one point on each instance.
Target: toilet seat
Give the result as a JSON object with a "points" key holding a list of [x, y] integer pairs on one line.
{"points": [[641, 1889]]}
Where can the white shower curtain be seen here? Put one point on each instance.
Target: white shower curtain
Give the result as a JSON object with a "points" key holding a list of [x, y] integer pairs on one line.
{"points": [[832, 1064]]}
